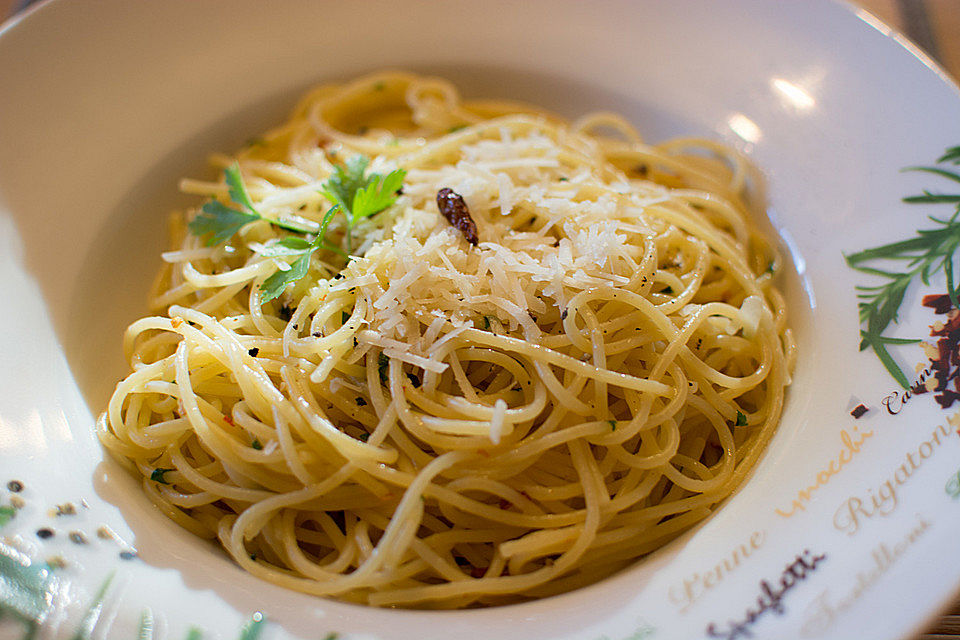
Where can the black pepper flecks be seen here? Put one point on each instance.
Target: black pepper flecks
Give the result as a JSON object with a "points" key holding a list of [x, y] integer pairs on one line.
{"points": [[45, 534], [77, 538], [254, 352], [128, 555], [15, 486]]}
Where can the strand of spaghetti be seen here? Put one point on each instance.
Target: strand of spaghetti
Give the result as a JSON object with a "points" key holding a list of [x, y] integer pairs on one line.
{"points": [[537, 353]]}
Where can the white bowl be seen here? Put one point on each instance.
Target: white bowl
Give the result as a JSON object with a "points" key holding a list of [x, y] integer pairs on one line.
{"points": [[105, 105]]}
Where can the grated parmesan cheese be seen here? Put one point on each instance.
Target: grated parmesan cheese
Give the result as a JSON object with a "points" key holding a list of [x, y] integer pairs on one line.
{"points": [[547, 233]]}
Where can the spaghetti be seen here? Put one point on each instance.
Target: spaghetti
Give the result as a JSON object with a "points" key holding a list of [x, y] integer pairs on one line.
{"points": [[430, 423]]}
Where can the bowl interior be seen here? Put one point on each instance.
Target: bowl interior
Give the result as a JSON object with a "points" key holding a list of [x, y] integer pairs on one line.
{"points": [[115, 109]]}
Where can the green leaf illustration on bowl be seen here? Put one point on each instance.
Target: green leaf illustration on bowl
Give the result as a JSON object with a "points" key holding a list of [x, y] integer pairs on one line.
{"points": [[929, 252]]}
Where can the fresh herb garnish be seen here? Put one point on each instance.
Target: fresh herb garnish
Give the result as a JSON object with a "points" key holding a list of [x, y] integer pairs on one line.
{"points": [[613, 424], [273, 286], [158, 475], [741, 420], [218, 222], [256, 445], [929, 251], [357, 195]]}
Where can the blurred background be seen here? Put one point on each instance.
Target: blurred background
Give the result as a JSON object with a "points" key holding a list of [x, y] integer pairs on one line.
{"points": [[934, 26]]}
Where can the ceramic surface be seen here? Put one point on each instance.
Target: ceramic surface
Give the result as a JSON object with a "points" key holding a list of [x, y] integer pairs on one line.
{"points": [[105, 105]]}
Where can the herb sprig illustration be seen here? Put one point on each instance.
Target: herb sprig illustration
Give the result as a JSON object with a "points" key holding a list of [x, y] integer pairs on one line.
{"points": [[925, 254]]}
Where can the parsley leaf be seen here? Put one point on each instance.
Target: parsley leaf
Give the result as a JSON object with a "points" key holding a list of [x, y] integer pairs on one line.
{"points": [[378, 194], [286, 247], [361, 196], [346, 181], [236, 188], [327, 217], [219, 222], [741, 420], [349, 189], [273, 286]]}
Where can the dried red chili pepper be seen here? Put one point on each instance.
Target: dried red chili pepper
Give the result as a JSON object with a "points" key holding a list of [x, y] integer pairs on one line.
{"points": [[454, 209]]}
